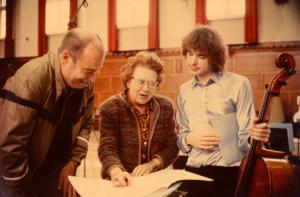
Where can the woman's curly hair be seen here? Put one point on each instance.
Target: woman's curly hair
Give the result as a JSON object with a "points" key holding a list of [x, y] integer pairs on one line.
{"points": [[143, 58]]}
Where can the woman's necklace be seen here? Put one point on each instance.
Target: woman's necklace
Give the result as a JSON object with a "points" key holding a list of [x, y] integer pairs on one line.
{"points": [[143, 119]]}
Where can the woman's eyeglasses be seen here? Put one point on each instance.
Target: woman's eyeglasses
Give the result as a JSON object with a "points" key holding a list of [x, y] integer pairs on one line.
{"points": [[141, 82]]}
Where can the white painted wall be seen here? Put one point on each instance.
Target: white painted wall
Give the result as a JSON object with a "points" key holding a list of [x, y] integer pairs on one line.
{"points": [[177, 18], [278, 23], [54, 41], [231, 30], [26, 28], [95, 17], [133, 38]]}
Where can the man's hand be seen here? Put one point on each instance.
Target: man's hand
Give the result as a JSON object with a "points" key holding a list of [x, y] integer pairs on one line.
{"points": [[260, 132], [202, 140], [68, 170], [120, 178]]}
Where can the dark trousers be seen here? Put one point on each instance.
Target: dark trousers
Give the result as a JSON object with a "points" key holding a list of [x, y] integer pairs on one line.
{"points": [[224, 184], [37, 186]]}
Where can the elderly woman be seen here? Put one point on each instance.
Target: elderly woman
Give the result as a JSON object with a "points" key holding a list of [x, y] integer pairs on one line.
{"points": [[137, 127]]}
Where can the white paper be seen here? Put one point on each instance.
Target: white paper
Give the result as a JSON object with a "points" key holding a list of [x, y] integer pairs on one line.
{"points": [[141, 186]]}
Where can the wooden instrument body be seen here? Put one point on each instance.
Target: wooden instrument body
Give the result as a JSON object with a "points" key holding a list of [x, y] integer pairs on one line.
{"points": [[272, 178]]}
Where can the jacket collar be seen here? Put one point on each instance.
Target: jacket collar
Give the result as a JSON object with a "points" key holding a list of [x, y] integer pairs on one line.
{"points": [[56, 66]]}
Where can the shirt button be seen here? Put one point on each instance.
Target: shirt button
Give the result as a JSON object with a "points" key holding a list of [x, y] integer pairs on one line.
{"points": [[144, 156], [145, 143]]}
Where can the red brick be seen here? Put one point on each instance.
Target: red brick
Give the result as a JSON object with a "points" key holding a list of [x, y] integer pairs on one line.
{"points": [[102, 84], [100, 97], [112, 67], [116, 85], [103, 97]]}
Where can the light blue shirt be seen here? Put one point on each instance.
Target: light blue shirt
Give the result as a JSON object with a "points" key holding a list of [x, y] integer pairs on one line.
{"points": [[223, 106]]}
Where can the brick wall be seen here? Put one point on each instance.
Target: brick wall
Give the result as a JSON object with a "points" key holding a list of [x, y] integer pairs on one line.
{"points": [[257, 63]]}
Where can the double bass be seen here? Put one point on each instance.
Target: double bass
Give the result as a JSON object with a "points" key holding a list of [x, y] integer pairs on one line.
{"points": [[267, 173]]}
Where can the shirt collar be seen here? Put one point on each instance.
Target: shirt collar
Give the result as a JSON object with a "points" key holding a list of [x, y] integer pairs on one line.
{"points": [[55, 64], [214, 79]]}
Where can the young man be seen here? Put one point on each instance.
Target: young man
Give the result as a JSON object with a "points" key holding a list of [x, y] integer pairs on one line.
{"points": [[46, 118], [215, 115]]}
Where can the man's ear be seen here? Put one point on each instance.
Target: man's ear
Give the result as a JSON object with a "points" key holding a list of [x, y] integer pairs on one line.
{"points": [[65, 57]]}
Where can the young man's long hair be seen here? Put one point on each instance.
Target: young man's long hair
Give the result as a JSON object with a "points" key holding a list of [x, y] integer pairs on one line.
{"points": [[209, 43]]}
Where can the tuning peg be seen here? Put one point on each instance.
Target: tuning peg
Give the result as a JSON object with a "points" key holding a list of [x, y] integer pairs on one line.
{"points": [[292, 71], [282, 83]]}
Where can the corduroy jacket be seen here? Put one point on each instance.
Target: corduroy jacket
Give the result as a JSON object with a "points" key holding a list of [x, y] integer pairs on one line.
{"points": [[120, 134]]}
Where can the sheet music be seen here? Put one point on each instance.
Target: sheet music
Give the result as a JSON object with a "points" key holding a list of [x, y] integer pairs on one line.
{"points": [[141, 186]]}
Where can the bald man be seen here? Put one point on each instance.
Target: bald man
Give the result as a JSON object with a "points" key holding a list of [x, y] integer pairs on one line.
{"points": [[46, 118]]}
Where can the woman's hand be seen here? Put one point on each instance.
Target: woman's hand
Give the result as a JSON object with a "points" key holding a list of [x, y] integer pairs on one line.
{"points": [[146, 168], [120, 178], [142, 170]]}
